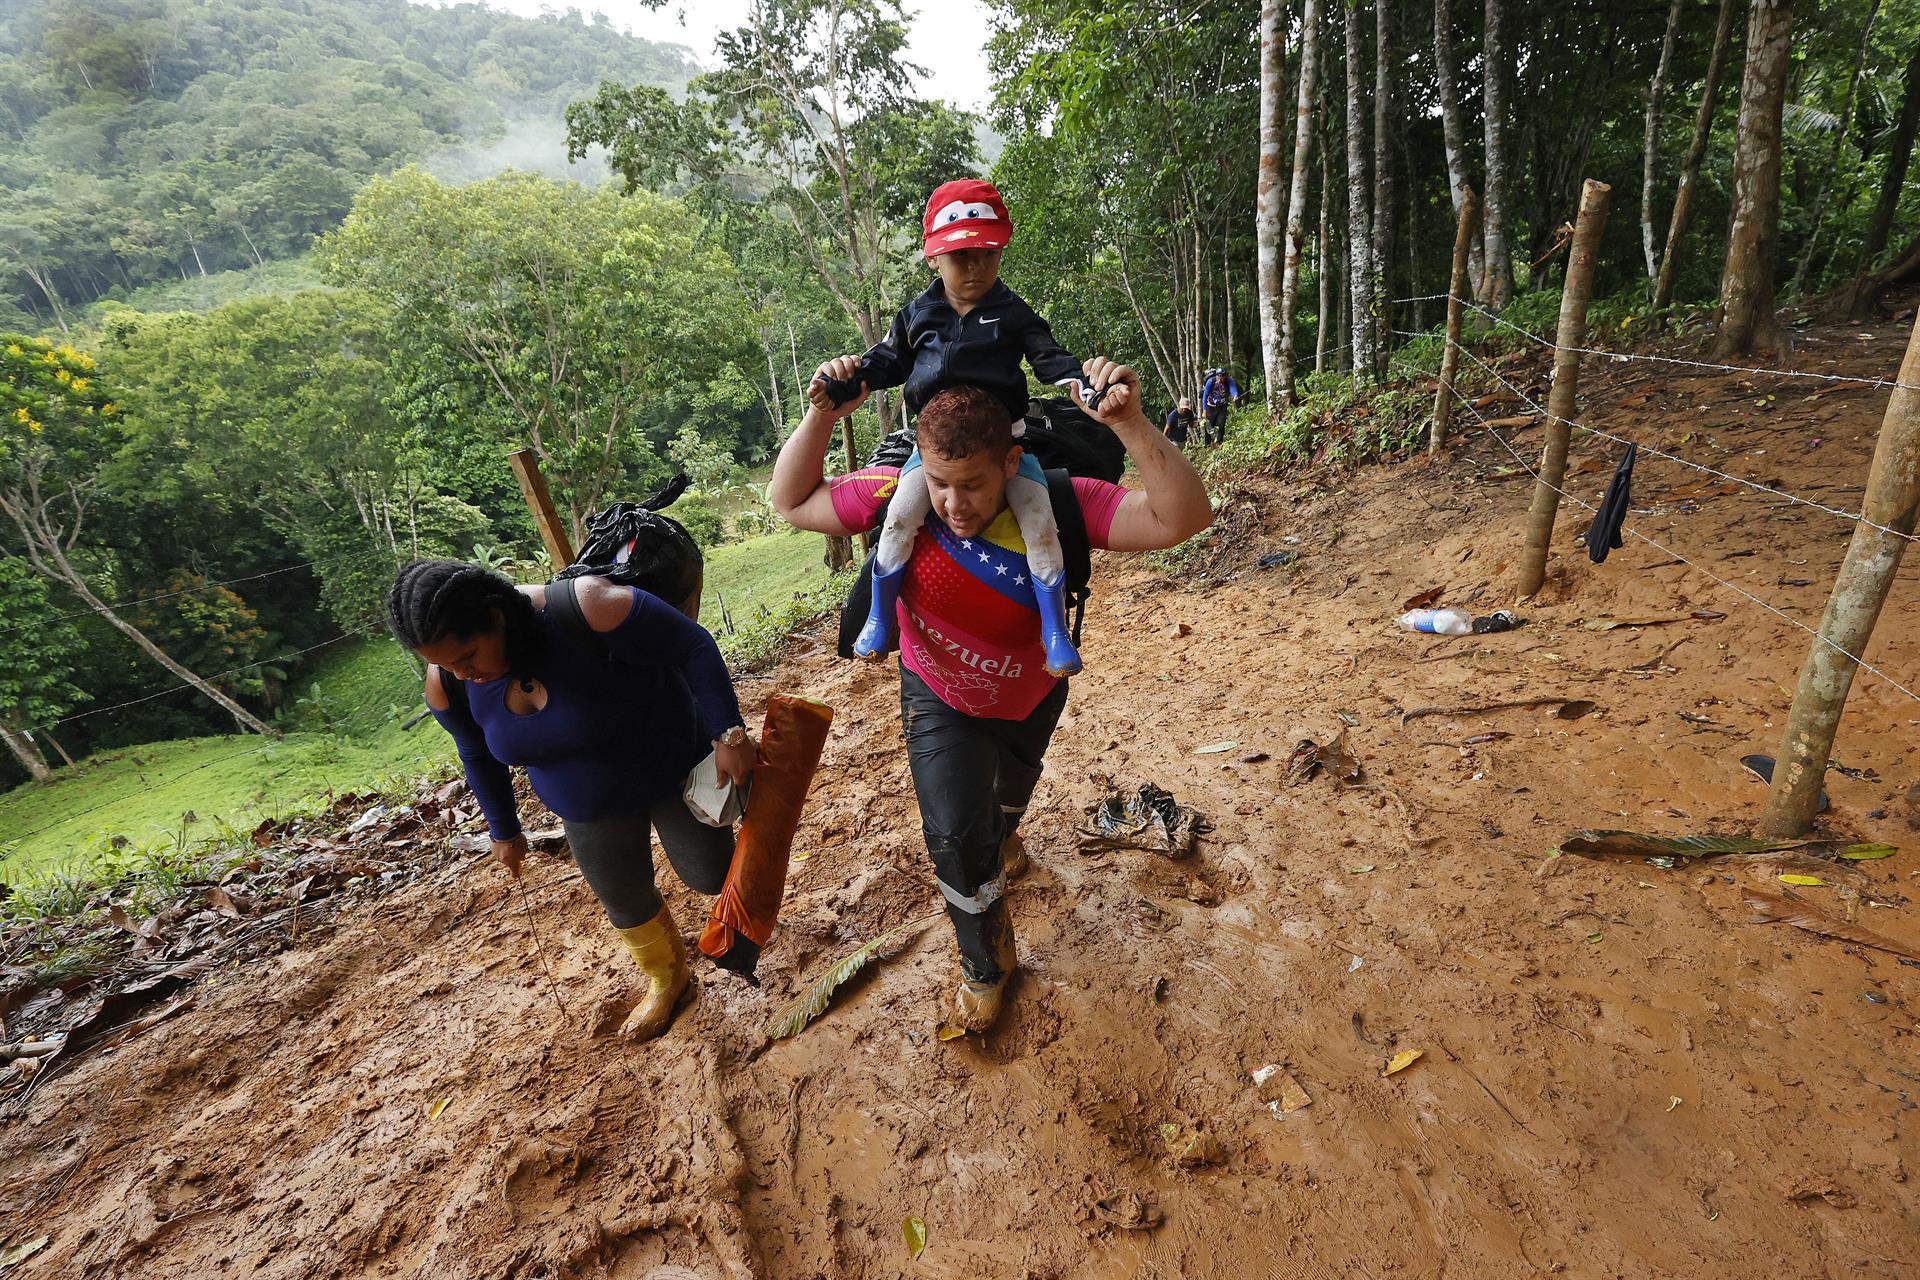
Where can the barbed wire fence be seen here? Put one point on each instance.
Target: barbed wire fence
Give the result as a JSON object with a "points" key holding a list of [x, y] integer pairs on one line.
{"points": [[1863, 578]]}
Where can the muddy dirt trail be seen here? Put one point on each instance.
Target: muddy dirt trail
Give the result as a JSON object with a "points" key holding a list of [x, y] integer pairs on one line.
{"points": [[1622, 1074]]}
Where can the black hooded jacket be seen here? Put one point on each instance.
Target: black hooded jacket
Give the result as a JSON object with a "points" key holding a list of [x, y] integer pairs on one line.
{"points": [[932, 347]]}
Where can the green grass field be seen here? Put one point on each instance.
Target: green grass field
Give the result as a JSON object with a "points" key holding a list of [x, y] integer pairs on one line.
{"points": [[760, 572], [349, 739], [343, 734]]}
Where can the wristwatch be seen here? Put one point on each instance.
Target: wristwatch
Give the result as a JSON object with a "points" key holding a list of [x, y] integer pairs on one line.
{"points": [[734, 737]]}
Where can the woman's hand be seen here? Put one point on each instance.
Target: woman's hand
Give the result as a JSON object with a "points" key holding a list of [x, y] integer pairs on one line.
{"points": [[844, 369], [1123, 397], [511, 853], [735, 764]]}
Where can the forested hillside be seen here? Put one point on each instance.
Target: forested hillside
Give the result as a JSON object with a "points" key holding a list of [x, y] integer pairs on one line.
{"points": [[203, 493], [151, 140]]}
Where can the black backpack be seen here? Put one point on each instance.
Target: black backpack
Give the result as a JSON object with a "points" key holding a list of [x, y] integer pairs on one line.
{"points": [[632, 544], [1066, 442]]}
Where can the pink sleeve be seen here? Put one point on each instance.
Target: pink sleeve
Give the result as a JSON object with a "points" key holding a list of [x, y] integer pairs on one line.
{"points": [[1099, 502], [858, 495]]}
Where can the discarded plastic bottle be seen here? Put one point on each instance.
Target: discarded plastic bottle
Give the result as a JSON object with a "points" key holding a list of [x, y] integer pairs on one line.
{"points": [[1442, 622]]}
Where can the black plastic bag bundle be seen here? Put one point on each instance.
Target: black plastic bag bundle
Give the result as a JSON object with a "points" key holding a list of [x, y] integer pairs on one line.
{"points": [[632, 543]]}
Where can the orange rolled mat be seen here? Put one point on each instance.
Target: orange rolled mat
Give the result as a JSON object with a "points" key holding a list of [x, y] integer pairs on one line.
{"points": [[744, 914]]}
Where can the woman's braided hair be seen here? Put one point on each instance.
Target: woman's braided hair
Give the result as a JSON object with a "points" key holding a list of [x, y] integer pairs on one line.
{"points": [[434, 599]]}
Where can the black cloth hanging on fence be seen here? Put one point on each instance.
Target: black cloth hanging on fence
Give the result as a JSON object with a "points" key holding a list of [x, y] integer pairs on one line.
{"points": [[1604, 534]]}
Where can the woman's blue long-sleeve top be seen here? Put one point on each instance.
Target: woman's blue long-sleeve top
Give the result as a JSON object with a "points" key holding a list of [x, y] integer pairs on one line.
{"points": [[629, 713]]}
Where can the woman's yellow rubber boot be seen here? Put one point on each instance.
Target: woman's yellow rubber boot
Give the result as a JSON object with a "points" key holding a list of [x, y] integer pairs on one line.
{"points": [[662, 955]]}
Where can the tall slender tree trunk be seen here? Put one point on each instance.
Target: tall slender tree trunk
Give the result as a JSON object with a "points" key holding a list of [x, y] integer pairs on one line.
{"points": [[1276, 319], [1386, 70], [1496, 77], [1297, 195], [1453, 129], [1360, 269], [25, 751], [1326, 265], [1696, 152], [1409, 212], [1747, 324], [1833, 155], [1899, 156], [1656, 90]]}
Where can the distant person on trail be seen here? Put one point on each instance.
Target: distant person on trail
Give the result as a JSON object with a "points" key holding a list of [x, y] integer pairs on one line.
{"points": [[610, 697], [976, 703], [965, 329], [1179, 423], [1217, 392]]}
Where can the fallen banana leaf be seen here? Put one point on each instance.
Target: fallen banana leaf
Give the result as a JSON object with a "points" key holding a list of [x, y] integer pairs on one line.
{"points": [[813, 998], [1774, 908], [915, 1231], [1592, 843]]}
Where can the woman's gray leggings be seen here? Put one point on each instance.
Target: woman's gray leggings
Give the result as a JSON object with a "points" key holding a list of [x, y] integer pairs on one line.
{"points": [[616, 857]]}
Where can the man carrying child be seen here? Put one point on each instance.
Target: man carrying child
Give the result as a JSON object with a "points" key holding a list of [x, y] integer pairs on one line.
{"points": [[978, 703]]}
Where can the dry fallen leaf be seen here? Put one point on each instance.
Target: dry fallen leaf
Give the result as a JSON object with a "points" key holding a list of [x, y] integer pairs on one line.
{"points": [[1402, 1060], [433, 1112], [16, 1253], [1279, 1090]]}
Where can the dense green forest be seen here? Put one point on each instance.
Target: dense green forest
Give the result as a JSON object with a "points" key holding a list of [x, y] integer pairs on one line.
{"points": [[286, 278], [143, 141]]}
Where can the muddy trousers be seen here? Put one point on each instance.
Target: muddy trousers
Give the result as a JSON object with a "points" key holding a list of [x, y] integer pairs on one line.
{"points": [[615, 856], [973, 778]]}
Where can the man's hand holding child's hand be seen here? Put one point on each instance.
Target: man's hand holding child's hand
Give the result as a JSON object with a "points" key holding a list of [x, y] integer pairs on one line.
{"points": [[1122, 399], [844, 369]]}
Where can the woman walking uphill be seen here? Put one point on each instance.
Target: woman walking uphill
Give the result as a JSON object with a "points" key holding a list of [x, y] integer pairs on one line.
{"points": [[609, 697], [976, 701]]}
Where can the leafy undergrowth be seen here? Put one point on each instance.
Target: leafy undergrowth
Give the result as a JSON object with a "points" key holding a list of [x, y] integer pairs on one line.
{"points": [[89, 960], [755, 641], [1339, 424]]}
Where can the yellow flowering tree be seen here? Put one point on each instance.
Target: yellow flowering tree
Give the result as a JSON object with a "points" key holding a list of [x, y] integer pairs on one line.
{"points": [[59, 431]]}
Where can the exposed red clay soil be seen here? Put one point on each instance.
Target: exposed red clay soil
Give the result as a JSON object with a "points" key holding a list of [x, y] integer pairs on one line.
{"points": [[1622, 1074]]}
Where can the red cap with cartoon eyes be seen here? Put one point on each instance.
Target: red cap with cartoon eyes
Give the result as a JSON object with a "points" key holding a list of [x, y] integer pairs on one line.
{"points": [[968, 214]]}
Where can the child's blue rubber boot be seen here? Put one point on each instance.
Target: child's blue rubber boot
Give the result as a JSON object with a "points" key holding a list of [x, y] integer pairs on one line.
{"points": [[876, 637], [1063, 659]]}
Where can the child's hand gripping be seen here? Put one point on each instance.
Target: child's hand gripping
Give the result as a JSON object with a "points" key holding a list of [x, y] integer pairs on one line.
{"points": [[1110, 390], [837, 388]]}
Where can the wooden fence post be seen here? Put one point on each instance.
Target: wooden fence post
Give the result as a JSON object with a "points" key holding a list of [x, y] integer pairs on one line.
{"points": [[1859, 591], [1456, 293], [1595, 198], [533, 487]]}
